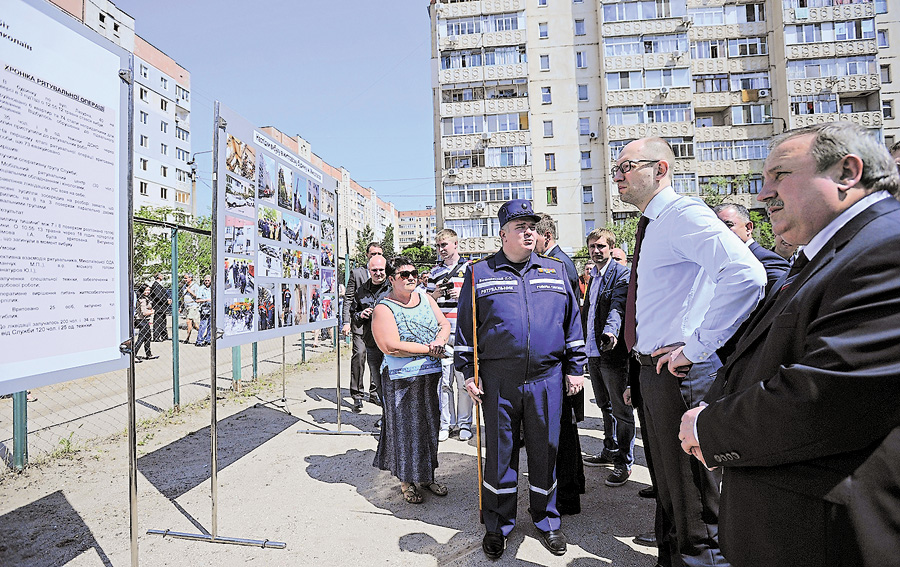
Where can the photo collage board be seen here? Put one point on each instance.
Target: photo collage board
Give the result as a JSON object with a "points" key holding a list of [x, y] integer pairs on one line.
{"points": [[276, 229]]}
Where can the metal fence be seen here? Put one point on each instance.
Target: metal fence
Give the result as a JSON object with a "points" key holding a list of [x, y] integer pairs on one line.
{"points": [[63, 417]]}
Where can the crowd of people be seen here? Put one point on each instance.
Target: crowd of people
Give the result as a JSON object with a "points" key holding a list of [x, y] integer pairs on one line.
{"points": [[764, 381]]}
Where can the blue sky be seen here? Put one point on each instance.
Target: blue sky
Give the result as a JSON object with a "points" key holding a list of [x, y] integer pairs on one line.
{"points": [[351, 77]]}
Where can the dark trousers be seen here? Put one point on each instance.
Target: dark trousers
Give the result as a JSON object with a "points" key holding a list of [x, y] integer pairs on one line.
{"points": [[569, 466], [374, 357], [143, 327], [609, 380], [687, 491], [160, 322], [535, 407], [358, 366]]}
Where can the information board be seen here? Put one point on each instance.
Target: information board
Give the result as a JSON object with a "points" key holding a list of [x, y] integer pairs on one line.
{"points": [[276, 226], [64, 127]]}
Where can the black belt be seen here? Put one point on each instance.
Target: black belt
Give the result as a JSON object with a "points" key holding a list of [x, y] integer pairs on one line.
{"points": [[645, 359]]}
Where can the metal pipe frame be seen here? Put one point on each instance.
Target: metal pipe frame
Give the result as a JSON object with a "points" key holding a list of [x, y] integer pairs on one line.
{"points": [[263, 543]]}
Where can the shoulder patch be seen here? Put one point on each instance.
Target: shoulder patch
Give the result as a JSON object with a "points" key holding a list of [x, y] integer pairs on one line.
{"points": [[549, 258], [476, 260]]}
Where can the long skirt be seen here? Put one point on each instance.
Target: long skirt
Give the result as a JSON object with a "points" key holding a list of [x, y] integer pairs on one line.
{"points": [[408, 445]]}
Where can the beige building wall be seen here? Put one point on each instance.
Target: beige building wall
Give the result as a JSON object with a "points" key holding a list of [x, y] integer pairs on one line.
{"points": [[416, 225]]}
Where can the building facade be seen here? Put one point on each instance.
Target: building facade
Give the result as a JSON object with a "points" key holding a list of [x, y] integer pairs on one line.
{"points": [[416, 226], [535, 98]]}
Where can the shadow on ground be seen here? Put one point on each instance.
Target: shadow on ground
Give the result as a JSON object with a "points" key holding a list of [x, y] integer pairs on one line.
{"points": [[51, 522]]}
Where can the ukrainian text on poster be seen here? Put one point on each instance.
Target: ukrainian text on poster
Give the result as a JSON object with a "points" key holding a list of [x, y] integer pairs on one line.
{"points": [[60, 256]]}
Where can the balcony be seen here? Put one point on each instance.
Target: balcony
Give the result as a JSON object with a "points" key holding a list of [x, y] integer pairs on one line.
{"points": [[501, 6], [662, 129], [478, 74], [511, 37], [458, 9], [716, 101], [831, 49], [725, 31], [844, 85], [490, 174], [467, 108], [829, 13], [739, 132], [648, 96], [869, 119], [729, 65], [643, 27], [728, 167], [473, 141], [644, 61]]}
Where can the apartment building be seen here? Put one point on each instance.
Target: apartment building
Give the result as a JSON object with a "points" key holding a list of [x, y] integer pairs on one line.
{"points": [[416, 226], [535, 98], [162, 109]]}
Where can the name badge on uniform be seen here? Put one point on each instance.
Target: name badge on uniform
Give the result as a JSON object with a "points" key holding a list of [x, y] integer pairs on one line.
{"points": [[548, 284], [490, 286]]}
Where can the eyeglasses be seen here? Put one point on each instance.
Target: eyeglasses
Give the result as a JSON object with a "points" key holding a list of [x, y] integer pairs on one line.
{"points": [[628, 165], [406, 274]]}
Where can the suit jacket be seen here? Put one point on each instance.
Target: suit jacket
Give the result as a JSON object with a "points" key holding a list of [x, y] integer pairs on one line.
{"points": [[358, 276], [808, 429], [609, 309], [774, 264], [571, 404]]}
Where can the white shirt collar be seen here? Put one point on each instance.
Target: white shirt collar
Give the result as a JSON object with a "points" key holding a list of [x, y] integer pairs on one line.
{"points": [[823, 236], [659, 202]]}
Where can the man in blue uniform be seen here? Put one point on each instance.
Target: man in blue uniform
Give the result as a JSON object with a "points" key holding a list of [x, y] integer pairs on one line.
{"points": [[531, 354]]}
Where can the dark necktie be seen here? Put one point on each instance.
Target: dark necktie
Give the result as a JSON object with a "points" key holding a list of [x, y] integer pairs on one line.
{"points": [[630, 320], [796, 267]]}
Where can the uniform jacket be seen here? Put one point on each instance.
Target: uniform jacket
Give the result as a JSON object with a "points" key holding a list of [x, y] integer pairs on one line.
{"points": [[358, 276], [528, 320], [808, 429], [609, 309]]}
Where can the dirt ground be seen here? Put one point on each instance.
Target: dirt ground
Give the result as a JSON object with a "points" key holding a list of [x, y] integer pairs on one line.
{"points": [[319, 494]]}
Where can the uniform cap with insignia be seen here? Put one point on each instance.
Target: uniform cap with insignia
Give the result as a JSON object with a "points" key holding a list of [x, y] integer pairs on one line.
{"points": [[515, 209]]}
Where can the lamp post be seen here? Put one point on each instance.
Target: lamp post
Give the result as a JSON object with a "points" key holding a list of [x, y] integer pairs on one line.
{"points": [[784, 125], [193, 164]]}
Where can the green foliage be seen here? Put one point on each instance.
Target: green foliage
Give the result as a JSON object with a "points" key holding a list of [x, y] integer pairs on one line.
{"points": [[720, 187], [363, 237], [625, 233], [153, 244], [387, 245], [762, 230], [420, 254]]}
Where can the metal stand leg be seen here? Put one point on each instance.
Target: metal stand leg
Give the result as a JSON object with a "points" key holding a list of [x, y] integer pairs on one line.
{"points": [[279, 403]]}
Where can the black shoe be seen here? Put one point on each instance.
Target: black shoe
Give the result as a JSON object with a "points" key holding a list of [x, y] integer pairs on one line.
{"points": [[648, 539], [357, 405], [493, 545], [598, 460], [373, 399], [618, 477], [649, 492], [379, 423], [554, 541], [151, 357]]}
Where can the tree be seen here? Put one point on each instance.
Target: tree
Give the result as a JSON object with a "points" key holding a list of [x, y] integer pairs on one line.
{"points": [[153, 244], [387, 245], [419, 254], [625, 233], [713, 194], [363, 238], [762, 230]]}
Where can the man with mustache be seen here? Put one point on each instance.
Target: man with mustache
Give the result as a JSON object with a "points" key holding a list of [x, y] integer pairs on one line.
{"points": [[692, 283], [808, 428]]}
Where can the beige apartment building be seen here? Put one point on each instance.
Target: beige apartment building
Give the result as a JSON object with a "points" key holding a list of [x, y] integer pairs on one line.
{"points": [[535, 98], [416, 225]]}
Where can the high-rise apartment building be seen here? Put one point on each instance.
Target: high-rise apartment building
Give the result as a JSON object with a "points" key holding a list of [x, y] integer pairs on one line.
{"points": [[535, 98], [416, 226], [162, 109]]}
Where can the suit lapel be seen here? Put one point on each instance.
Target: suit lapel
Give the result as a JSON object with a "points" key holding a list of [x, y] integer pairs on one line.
{"points": [[778, 301]]}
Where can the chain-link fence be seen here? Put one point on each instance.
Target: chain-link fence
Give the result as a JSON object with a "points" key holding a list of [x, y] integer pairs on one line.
{"points": [[173, 359]]}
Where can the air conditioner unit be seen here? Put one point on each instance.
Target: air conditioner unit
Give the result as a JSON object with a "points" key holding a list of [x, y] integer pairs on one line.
{"points": [[678, 55], [593, 135], [486, 136], [763, 93], [663, 91], [452, 172], [479, 206]]}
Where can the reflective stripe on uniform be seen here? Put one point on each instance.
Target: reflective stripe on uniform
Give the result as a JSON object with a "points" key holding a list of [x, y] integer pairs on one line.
{"points": [[500, 490], [544, 492]]}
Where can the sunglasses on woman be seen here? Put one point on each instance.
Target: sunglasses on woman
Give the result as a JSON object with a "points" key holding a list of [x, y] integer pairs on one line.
{"points": [[406, 274]]}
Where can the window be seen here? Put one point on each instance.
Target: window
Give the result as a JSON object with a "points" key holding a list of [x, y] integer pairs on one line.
{"points": [[508, 156], [182, 93], [584, 126], [579, 27], [759, 80], [580, 60], [746, 13], [163, 126], [582, 92], [506, 122], [474, 228], [474, 193], [708, 49], [145, 141], [145, 72], [115, 26], [589, 225], [747, 46], [835, 66], [883, 38], [707, 16], [182, 197], [711, 83], [628, 45], [587, 194], [164, 171], [462, 125], [545, 62], [181, 133], [163, 192], [102, 18], [181, 154], [163, 83], [463, 26], [682, 147], [586, 159], [885, 73], [703, 121], [751, 114], [624, 80], [143, 187], [182, 175], [814, 104], [542, 2], [543, 33], [887, 108], [461, 59], [164, 149], [504, 22], [545, 95], [550, 162], [665, 43], [552, 198], [615, 148], [669, 112], [163, 104], [548, 128], [678, 77], [143, 164], [144, 116], [144, 94], [625, 115], [684, 183]]}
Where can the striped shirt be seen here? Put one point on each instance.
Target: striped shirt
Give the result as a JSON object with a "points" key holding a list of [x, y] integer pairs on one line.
{"points": [[439, 274]]}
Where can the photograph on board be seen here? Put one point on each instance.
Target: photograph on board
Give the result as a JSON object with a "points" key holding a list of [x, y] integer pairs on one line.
{"points": [[327, 204], [310, 235], [238, 316], [266, 298], [299, 304], [291, 229], [328, 280], [269, 261], [285, 188], [312, 200], [239, 197], [315, 305], [327, 307], [240, 158], [265, 184], [238, 275], [287, 305], [310, 266], [269, 223], [299, 195], [239, 235], [327, 255], [328, 230]]}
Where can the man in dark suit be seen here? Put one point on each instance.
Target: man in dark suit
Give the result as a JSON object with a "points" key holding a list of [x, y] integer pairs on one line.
{"points": [[159, 296], [569, 468], [808, 429], [358, 276], [737, 218], [601, 316]]}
